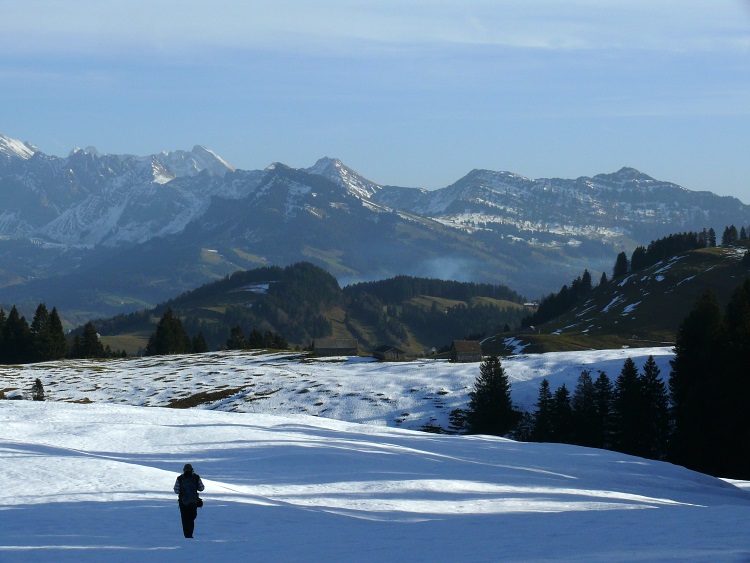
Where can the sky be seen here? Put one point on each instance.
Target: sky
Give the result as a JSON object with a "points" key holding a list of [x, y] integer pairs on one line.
{"points": [[407, 92]]}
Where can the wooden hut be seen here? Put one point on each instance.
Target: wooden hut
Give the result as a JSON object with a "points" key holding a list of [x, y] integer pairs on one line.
{"points": [[466, 351], [389, 353]]}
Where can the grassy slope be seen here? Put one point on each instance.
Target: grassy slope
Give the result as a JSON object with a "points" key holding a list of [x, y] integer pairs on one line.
{"points": [[642, 309]]}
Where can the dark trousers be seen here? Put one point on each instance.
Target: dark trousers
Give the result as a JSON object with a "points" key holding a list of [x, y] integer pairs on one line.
{"points": [[188, 515]]}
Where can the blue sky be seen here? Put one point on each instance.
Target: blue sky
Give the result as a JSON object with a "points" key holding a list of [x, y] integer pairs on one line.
{"points": [[407, 92]]}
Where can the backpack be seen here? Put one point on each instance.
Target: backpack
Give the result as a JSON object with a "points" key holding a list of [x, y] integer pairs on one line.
{"points": [[189, 490]]}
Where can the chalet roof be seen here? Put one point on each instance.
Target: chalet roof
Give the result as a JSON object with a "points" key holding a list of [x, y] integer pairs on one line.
{"points": [[342, 343], [467, 346]]}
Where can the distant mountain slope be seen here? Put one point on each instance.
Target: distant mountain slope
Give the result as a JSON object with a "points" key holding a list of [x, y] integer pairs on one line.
{"points": [[97, 233], [627, 203], [644, 308], [303, 303]]}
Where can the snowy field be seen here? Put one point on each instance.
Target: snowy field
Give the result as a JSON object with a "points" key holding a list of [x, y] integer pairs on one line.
{"points": [[407, 395], [88, 475]]}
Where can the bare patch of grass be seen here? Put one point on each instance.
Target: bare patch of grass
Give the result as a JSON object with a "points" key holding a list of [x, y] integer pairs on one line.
{"points": [[202, 398]]}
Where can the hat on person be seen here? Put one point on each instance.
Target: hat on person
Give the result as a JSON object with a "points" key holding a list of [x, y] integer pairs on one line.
{"points": [[188, 468]]}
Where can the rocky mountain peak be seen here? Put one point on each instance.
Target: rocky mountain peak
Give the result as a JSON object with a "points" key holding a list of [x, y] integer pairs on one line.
{"points": [[14, 149], [335, 170]]}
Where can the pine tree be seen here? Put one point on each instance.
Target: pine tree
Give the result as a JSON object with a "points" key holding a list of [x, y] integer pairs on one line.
{"points": [[703, 238], [237, 340], [604, 395], [736, 420], [199, 344], [543, 416], [729, 236], [628, 410], [656, 413], [562, 416], [88, 344], [711, 238], [169, 338], [603, 280], [490, 409], [57, 336], [2, 345], [621, 265], [37, 390], [586, 430], [41, 331], [743, 233], [693, 389], [17, 340], [638, 259]]}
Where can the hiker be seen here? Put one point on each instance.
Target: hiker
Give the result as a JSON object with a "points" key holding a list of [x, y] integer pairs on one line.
{"points": [[187, 487]]}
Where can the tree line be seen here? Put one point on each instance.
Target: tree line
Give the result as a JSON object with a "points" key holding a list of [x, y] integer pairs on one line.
{"points": [[44, 339], [171, 337], [555, 304], [699, 420], [629, 415]]}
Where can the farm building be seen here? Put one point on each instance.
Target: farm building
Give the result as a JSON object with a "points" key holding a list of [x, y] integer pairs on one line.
{"points": [[336, 347], [466, 351], [389, 353]]}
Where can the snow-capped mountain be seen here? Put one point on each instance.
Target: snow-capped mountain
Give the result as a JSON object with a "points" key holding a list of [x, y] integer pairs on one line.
{"points": [[189, 216], [334, 170], [626, 203], [11, 149], [88, 198]]}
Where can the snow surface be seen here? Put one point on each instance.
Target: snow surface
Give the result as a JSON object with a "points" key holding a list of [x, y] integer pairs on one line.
{"points": [[400, 394], [12, 148], [93, 483]]}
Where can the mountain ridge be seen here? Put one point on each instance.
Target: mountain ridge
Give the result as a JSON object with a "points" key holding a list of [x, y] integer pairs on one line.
{"points": [[188, 217]]}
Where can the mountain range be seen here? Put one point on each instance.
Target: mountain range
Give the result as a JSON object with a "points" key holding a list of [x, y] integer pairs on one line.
{"points": [[97, 234]]}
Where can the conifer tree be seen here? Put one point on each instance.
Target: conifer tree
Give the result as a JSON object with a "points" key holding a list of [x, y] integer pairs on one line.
{"points": [[562, 416], [16, 339], [37, 390], [169, 338], [628, 410], [736, 420], [729, 236], [490, 409], [603, 280], [2, 325], [88, 344], [57, 335], [656, 411], [693, 390], [743, 233], [603, 395], [237, 339], [199, 344], [638, 259], [621, 265], [41, 332], [711, 238], [543, 416], [586, 430]]}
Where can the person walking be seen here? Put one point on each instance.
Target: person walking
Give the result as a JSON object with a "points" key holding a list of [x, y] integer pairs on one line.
{"points": [[187, 486]]}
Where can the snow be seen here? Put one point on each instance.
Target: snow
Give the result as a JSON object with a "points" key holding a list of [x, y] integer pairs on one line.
{"points": [[12, 148], [93, 483]]}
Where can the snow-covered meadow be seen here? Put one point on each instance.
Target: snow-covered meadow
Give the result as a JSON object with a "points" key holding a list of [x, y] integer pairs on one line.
{"points": [[93, 481], [354, 389]]}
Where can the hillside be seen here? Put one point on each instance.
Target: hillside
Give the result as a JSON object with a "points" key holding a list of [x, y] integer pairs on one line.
{"points": [[303, 302], [643, 308], [94, 483]]}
